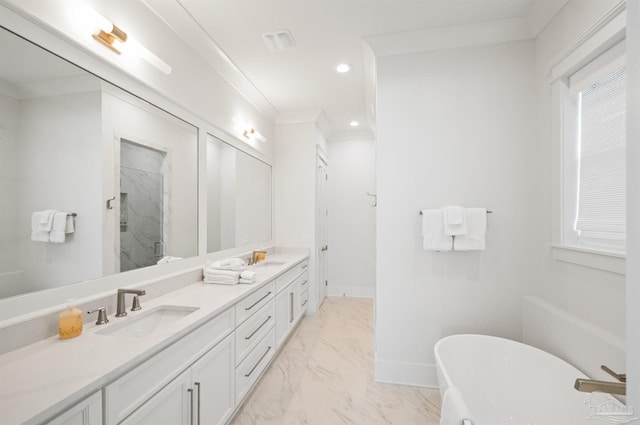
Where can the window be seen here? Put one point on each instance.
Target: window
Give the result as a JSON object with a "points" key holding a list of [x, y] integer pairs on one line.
{"points": [[594, 151]]}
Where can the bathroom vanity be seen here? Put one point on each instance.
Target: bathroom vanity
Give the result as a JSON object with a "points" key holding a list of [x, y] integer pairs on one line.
{"points": [[190, 356]]}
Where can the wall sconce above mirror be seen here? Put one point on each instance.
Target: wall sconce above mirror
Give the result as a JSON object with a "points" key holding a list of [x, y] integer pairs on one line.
{"points": [[115, 38]]}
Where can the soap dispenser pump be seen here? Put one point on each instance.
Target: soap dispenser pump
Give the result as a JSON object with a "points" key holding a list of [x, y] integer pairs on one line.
{"points": [[70, 321]]}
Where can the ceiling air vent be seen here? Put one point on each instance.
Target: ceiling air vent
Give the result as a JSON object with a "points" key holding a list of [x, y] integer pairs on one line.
{"points": [[279, 40]]}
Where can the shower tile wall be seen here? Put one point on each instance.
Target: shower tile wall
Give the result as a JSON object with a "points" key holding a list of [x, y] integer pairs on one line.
{"points": [[142, 206]]}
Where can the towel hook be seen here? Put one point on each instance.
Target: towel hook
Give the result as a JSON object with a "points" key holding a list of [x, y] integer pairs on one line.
{"points": [[110, 203], [375, 199]]}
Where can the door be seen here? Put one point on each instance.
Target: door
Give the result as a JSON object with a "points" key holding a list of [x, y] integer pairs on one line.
{"points": [[322, 223], [141, 206]]}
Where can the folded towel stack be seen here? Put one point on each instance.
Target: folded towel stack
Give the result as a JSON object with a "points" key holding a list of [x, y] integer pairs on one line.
{"points": [[51, 226], [248, 276], [225, 272]]}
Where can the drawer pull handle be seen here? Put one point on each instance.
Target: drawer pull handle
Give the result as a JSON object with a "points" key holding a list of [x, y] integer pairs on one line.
{"points": [[261, 358], [190, 391], [290, 307], [304, 303], [304, 283], [197, 384], [257, 329], [257, 302], [304, 266]]}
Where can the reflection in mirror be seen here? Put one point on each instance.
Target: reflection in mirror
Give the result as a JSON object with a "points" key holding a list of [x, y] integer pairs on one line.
{"points": [[238, 197], [70, 142]]}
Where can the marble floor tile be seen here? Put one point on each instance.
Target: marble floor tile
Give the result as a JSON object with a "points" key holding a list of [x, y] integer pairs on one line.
{"points": [[324, 376]]}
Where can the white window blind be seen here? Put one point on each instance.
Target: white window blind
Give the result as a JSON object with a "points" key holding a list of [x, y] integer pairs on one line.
{"points": [[602, 145]]}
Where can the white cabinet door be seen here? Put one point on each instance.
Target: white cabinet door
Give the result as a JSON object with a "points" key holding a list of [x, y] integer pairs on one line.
{"points": [[172, 405], [282, 316], [287, 310], [87, 412], [212, 379]]}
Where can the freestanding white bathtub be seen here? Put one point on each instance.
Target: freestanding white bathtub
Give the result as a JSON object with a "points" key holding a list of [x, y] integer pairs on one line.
{"points": [[503, 382]]}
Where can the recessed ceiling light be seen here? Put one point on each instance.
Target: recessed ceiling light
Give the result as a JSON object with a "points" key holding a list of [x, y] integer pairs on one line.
{"points": [[343, 67], [354, 123]]}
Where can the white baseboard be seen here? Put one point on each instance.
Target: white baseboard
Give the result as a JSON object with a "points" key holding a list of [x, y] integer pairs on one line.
{"points": [[351, 291], [406, 373]]}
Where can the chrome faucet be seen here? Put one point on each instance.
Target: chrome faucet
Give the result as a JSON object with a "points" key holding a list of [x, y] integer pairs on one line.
{"points": [[121, 309], [589, 386], [102, 315]]}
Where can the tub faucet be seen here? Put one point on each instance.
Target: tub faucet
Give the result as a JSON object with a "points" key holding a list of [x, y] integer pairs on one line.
{"points": [[589, 386], [121, 309]]}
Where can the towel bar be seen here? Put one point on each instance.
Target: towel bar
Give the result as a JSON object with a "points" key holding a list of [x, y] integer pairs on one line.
{"points": [[488, 212]]}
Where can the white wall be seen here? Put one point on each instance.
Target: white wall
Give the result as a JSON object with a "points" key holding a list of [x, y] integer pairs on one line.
{"points": [[454, 127], [352, 253], [294, 196], [51, 177], [578, 313]]}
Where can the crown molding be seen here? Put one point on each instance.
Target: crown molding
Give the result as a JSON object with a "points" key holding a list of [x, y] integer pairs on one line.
{"points": [[176, 17]]}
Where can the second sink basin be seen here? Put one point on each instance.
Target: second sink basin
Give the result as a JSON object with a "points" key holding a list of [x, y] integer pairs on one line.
{"points": [[269, 263], [148, 322]]}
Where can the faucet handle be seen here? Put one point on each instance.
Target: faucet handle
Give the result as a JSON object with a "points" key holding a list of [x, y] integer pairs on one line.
{"points": [[102, 315], [136, 304], [622, 377]]}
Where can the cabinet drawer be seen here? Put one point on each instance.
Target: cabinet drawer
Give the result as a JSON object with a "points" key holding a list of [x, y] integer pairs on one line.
{"points": [[135, 387], [251, 332], [252, 367], [290, 275], [251, 304]]}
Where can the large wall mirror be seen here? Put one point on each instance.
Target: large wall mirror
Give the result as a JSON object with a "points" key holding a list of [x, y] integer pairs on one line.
{"points": [[124, 171], [238, 197]]}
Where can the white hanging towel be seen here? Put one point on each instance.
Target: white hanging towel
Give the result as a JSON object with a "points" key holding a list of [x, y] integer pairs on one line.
{"points": [[37, 232], [454, 410], [46, 220], [455, 220], [433, 237], [59, 227], [475, 238]]}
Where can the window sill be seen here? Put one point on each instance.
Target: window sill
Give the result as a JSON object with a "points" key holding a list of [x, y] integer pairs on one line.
{"points": [[601, 260]]}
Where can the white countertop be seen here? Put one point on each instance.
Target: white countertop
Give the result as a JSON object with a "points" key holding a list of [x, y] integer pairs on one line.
{"points": [[41, 380]]}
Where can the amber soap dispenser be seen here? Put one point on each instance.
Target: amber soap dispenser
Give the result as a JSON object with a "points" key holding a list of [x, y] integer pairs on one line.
{"points": [[70, 321]]}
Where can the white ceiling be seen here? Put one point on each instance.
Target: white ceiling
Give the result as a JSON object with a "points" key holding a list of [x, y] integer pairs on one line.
{"points": [[328, 32]]}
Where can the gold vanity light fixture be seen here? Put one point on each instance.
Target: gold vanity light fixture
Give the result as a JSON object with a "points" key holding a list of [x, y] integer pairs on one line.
{"points": [[111, 39], [247, 131], [253, 133], [118, 41]]}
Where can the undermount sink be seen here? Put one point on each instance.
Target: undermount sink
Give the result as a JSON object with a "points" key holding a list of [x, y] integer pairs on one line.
{"points": [[148, 322], [270, 263]]}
